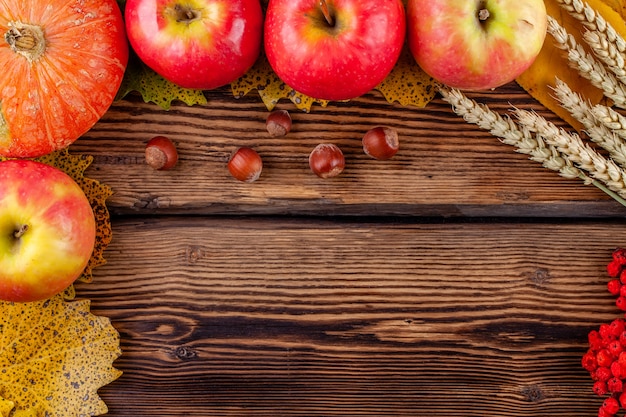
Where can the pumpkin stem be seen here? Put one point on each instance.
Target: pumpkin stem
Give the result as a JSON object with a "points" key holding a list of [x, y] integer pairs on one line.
{"points": [[27, 40]]}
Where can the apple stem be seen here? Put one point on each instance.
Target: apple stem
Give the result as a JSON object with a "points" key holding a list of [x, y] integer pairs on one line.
{"points": [[20, 232], [483, 14], [184, 14], [326, 12]]}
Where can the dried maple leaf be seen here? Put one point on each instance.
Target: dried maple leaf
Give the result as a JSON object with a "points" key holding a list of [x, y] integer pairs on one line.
{"points": [[262, 78], [551, 63], [54, 356], [407, 83], [97, 194], [154, 88], [6, 407]]}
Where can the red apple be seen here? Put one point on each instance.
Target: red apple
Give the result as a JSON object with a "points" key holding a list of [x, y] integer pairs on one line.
{"points": [[475, 44], [47, 231], [197, 44], [334, 49]]}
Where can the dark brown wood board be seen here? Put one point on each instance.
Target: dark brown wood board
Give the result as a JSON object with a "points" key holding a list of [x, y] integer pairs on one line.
{"points": [[302, 317], [457, 279]]}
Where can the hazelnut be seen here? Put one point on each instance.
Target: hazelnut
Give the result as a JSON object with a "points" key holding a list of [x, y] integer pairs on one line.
{"points": [[161, 153], [381, 142], [278, 123]]}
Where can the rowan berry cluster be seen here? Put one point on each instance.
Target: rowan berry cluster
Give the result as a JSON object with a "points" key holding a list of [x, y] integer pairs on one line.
{"points": [[606, 357]]}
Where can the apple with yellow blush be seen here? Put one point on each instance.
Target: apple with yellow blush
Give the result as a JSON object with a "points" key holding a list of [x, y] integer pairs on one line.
{"points": [[476, 44], [47, 231]]}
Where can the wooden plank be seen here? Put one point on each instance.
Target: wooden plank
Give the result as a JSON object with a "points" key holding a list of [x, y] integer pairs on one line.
{"points": [[304, 317], [445, 167]]}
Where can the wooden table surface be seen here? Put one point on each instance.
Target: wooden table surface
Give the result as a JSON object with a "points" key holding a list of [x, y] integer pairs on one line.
{"points": [[457, 279]]}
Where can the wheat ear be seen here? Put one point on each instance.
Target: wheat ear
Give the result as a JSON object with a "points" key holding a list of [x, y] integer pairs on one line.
{"points": [[611, 119], [586, 65], [598, 132], [509, 133], [520, 137], [583, 155], [606, 43]]}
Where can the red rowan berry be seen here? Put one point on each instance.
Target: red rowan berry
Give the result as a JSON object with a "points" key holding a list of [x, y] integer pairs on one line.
{"points": [[616, 370], [619, 255], [615, 385], [615, 348], [595, 341], [614, 286], [589, 361], [610, 405], [604, 358], [606, 333], [600, 388], [614, 269], [617, 327], [603, 413], [603, 374]]}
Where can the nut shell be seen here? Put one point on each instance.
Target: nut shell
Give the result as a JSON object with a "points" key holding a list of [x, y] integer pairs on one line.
{"points": [[327, 160], [161, 153], [381, 142], [245, 165]]}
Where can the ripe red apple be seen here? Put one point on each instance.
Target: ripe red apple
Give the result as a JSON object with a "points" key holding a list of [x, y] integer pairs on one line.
{"points": [[47, 231], [198, 44], [475, 44], [334, 49]]}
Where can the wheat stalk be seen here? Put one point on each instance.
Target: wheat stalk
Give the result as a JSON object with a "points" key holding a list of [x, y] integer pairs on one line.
{"points": [[598, 131], [586, 65], [605, 42], [611, 119], [510, 133], [541, 147], [583, 155]]}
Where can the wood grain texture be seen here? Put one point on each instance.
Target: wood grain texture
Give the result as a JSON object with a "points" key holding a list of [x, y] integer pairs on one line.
{"points": [[312, 317], [445, 167]]}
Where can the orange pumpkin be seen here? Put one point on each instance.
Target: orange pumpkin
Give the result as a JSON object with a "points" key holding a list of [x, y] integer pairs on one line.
{"points": [[61, 64]]}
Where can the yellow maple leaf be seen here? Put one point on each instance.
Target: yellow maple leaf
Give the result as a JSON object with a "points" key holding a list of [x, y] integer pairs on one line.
{"points": [[271, 89], [97, 194], [154, 88], [54, 356], [551, 63], [618, 5], [6, 407], [407, 83]]}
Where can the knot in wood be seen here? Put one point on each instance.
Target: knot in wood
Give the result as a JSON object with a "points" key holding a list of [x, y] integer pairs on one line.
{"points": [[185, 353], [540, 276], [533, 393], [193, 254]]}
